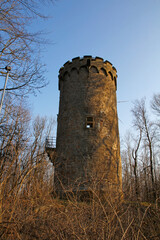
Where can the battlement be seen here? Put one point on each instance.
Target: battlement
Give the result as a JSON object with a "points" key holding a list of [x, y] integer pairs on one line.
{"points": [[88, 62]]}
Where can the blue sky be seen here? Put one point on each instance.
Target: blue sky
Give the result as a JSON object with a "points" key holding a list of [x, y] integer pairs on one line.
{"points": [[126, 33]]}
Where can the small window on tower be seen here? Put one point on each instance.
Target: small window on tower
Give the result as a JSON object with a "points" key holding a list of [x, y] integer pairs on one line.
{"points": [[89, 122]]}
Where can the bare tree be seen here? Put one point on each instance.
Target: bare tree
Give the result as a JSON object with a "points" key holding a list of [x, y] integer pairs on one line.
{"points": [[19, 47], [127, 166], [23, 161], [135, 165], [155, 104], [142, 123]]}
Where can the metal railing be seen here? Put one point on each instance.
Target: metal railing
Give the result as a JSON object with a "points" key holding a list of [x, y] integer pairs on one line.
{"points": [[50, 142]]}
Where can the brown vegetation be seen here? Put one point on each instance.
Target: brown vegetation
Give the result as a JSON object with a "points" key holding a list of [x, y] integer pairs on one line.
{"points": [[34, 214], [29, 210]]}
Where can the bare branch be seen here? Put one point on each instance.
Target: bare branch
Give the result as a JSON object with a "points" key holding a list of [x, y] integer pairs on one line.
{"points": [[19, 47]]}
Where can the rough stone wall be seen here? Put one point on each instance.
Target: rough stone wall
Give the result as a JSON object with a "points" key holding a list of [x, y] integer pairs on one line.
{"points": [[88, 157]]}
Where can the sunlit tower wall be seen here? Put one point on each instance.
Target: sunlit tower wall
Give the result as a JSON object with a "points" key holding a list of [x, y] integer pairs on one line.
{"points": [[88, 147]]}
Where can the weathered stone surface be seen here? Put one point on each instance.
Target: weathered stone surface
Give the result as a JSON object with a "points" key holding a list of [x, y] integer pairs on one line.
{"points": [[88, 157]]}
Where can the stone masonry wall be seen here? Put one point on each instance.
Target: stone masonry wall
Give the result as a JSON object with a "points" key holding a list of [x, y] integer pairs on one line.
{"points": [[88, 156]]}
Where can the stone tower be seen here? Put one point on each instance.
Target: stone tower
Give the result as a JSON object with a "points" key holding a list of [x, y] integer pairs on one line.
{"points": [[88, 147]]}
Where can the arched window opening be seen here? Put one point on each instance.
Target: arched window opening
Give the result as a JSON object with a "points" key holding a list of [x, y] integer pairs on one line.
{"points": [[115, 81], [103, 71], [93, 69], [65, 76], [111, 75], [74, 70]]}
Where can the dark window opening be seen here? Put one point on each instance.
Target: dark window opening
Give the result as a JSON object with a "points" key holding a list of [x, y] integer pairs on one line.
{"points": [[88, 62], [103, 71], [111, 75], [89, 122]]}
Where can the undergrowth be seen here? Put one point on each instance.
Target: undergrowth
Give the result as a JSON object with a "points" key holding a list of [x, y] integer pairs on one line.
{"points": [[40, 216]]}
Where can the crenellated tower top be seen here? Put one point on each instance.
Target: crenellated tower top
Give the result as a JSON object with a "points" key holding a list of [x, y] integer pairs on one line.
{"points": [[89, 63]]}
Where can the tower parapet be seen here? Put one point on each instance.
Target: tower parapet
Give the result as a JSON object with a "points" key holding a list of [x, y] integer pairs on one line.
{"points": [[97, 63], [88, 147]]}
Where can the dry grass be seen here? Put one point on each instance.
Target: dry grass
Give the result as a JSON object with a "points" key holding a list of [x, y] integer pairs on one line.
{"points": [[37, 215]]}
